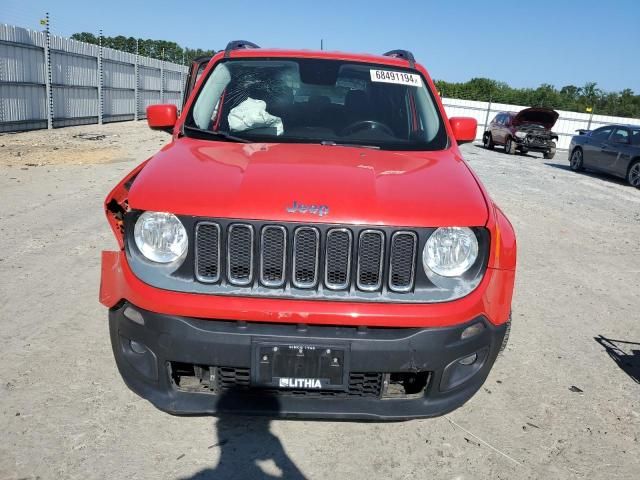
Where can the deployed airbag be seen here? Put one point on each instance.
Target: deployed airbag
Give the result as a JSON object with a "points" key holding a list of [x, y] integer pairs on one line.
{"points": [[252, 115]]}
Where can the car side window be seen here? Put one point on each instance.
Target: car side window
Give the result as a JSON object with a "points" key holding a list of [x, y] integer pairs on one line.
{"points": [[500, 119], [601, 134], [635, 137], [621, 135]]}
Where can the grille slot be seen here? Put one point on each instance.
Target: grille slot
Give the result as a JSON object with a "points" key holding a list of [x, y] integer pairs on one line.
{"points": [[370, 260], [273, 253], [229, 378], [306, 248], [403, 260], [208, 252], [240, 254], [337, 268]]}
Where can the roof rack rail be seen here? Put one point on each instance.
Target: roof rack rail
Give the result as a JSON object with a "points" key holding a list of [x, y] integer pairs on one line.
{"points": [[404, 54], [238, 45]]}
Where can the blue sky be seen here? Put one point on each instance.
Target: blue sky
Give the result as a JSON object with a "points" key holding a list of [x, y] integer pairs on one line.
{"points": [[525, 44]]}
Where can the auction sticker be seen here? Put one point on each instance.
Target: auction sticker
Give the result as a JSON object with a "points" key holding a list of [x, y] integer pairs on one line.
{"points": [[401, 78]]}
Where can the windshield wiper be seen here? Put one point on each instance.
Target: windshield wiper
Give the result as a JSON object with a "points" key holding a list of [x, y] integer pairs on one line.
{"points": [[331, 143], [217, 134]]}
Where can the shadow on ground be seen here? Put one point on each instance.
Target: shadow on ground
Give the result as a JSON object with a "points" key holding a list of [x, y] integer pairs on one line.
{"points": [[625, 354], [500, 149], [598, 175], [248, 449]]}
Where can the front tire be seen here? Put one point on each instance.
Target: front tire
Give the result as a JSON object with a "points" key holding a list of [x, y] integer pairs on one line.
{"points": [[551, 153], [633, 175], [487, 141], [576, 160], [510, 146]]}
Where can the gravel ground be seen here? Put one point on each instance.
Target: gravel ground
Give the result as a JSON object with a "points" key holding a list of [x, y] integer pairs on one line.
{"points": [[556, 405]]}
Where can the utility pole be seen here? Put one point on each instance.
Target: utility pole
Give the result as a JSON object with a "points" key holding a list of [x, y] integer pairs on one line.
{"points": [[321, 44], [590, 110]]}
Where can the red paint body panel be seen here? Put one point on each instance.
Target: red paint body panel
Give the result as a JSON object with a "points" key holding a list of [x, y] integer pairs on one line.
{"points": [[492, 298], [361, 186]]}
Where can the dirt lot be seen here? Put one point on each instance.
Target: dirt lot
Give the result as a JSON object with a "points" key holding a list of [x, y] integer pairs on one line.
{"points": [[556, 405]]}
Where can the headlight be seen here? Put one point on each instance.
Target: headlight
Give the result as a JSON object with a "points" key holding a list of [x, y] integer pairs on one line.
{"points": [[160, 237], [521, 135], [450, 251]]}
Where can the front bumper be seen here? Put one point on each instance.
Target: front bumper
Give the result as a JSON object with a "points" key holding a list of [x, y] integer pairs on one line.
{"points": [[543, 147], [171, 340]]}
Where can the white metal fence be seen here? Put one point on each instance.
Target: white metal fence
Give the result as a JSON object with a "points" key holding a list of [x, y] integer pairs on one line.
{"points": [[566, 126], [52, 81]]}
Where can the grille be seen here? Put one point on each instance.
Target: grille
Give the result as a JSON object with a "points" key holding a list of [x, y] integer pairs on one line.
{"points": [[360, 384], [338, 259], [208, 252], [240, 254], [403, 260], [306, 246], [273, 248], [290, 257], [231, 378], [371, 254]]}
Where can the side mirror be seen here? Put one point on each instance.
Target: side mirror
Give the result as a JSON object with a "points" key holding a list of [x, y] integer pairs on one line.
{"points": [[162, 117], [464, 129]]}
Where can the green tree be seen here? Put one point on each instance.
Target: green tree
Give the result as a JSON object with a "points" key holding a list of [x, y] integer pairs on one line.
{"points": [[160, 49]]}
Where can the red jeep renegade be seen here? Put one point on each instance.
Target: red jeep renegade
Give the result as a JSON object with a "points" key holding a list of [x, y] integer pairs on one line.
{"points": [[310, 244]]}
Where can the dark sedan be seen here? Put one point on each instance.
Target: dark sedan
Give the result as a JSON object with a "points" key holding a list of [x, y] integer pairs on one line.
{"points": [[614, 149]]}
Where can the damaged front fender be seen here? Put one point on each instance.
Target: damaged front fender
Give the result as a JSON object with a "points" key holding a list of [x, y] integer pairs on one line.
{"points": [[117, 203]]}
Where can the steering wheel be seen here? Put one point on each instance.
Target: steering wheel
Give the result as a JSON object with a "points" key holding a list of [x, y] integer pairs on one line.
{"points": [[362, 124]]}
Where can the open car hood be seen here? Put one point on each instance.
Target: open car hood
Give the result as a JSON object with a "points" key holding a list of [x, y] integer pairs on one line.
{"points": [[538, 115], [356, 185]]}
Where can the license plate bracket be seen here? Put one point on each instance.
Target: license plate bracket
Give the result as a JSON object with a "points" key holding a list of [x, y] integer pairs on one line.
{"points": [[299, 365]]}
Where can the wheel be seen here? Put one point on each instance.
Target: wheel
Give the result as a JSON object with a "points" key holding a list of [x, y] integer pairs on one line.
{"points": [[551, 153], [524, 151], [633, 175], [510, 146], [487, 141], [575, 162]]}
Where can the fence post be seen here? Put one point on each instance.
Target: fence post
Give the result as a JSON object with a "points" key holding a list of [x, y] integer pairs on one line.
{"points": [[47, 76], [486, 118], [135, 94], [100, 99], [182, 83], [162, 78]]}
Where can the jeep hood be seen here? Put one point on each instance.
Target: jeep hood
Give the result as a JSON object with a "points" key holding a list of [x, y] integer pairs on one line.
{"points": [[358, 185], [538, 115]]}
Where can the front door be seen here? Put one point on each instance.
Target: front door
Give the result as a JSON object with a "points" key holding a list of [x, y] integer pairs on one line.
{"points": [[195, 71]]}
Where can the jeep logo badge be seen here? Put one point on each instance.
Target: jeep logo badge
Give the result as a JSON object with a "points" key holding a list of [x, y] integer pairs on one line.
{"points": [[320, 210]]}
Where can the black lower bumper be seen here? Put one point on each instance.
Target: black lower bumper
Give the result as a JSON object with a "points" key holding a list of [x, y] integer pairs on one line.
{"points": [[535, 147], [148, 346]]}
